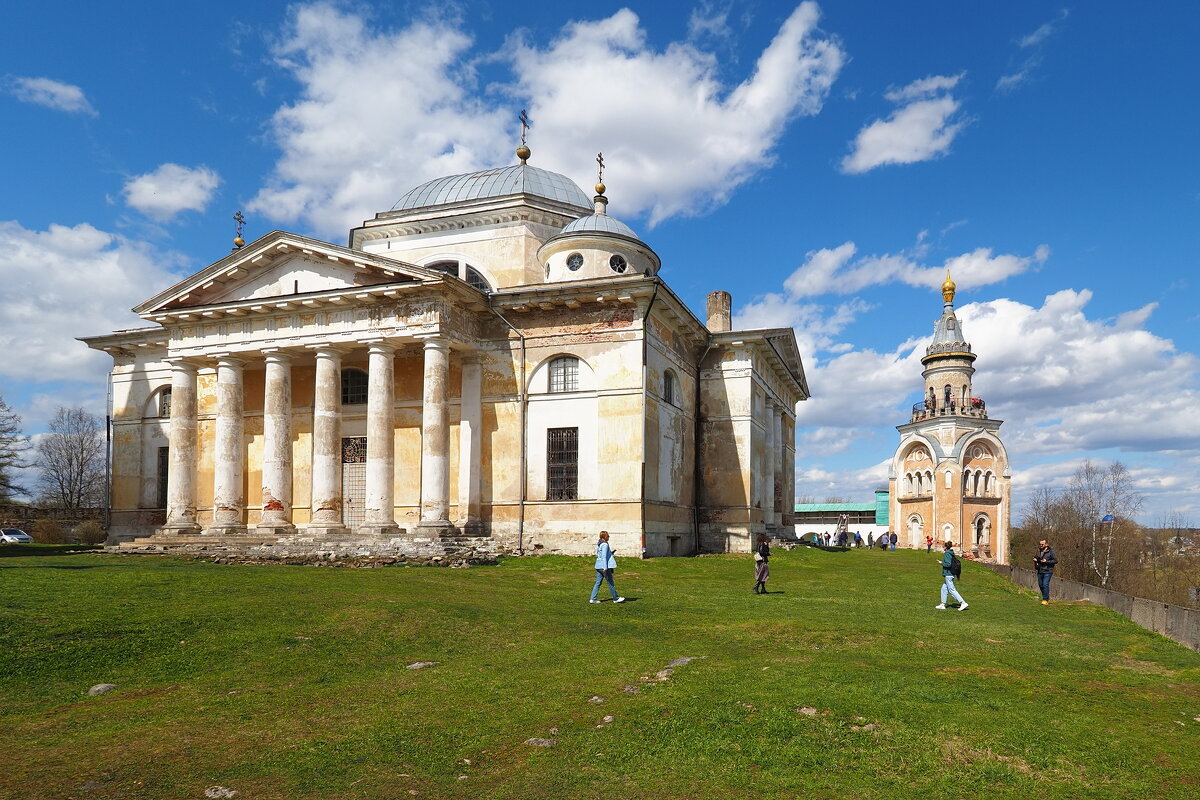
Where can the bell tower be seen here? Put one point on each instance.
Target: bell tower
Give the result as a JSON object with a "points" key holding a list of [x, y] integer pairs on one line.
{"points": [[950, 477]]}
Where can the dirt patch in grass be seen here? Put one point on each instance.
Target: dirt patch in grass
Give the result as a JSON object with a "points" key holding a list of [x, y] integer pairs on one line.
{"points": [[982, 672], [1143, 667]]}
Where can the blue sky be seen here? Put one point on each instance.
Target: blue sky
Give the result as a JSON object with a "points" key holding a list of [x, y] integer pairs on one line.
{"points": [[822, 162]]}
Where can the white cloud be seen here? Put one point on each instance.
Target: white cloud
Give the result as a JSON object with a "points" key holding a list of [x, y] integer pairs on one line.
{"points": [[51, 94], [374, 121], [839, 271], [923, 128], [171, 189], [1033, 59], [65, 282]]}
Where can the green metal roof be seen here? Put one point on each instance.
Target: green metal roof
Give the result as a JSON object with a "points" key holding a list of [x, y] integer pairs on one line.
{"points": [[803, 507]]}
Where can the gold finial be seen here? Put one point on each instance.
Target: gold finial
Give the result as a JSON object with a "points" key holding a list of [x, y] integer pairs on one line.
{"points": [[523, 152], [948, 287], [600, 174], [238, 241]]}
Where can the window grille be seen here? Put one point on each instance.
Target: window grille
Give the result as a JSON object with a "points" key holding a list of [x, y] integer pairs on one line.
{"points": [[354, 481], [564, 374], [164, 405], [354, 387], [473, 278], [164, 464], [669, 387], [562, 464]]}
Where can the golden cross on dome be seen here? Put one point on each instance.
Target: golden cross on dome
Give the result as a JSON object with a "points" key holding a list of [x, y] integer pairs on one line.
{"points": [[525, 125]]}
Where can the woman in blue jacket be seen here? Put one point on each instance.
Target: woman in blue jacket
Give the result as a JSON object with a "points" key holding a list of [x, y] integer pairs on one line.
{"points": [[606, 562]]}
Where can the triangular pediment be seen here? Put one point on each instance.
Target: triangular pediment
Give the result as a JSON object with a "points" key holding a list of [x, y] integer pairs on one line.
{"points": [[282, 264]]}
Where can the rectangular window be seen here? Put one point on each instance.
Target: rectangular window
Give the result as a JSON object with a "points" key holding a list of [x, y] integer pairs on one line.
{"points": [[562, 464], [564, 375], [164, 468]]}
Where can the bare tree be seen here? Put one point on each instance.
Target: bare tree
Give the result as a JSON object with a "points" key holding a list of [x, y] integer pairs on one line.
{"points": [[12, 451], [1106, 502], [70, 460]]}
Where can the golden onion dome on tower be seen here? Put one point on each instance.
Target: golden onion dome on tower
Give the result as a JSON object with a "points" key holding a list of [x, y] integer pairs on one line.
{"points": [[948, 287]]}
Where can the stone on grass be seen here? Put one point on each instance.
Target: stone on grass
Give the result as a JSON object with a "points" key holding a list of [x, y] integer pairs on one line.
{"points": [[608, 718], [216, 792], [868, 727], [631, 690], [595, 699], [101, 688], [679, 662], [536, 742], [422, 664]]}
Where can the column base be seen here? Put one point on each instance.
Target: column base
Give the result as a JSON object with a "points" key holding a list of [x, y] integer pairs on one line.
{"points": [[225, 529], [435, 528], [178, 529], [325, 529], [379, 529], [471, 527], [274, 529]]}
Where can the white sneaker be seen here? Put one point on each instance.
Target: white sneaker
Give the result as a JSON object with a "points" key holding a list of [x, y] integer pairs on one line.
{"points": [[941, 606], [593, 601], [619, 600], [963, 607]]}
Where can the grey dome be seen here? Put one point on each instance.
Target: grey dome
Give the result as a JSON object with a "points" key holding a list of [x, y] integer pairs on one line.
{"points": [[518, 179], [948, 335], [599, 223]]}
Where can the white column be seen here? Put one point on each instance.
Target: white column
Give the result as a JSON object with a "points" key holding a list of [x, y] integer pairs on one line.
{"points": [[435, 438], [229, 467], [789, 468], [469, 429], [777, 490], [277, 445], [181, 466], [381, 441], [768, 476], [327, 444]]}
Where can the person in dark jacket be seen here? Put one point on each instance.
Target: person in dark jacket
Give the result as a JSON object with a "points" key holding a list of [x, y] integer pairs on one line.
{"points": [[1044, 561], [893, 538], [761, 571]]}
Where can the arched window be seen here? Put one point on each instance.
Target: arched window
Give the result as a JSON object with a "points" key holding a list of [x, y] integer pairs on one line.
{"points": [[908, 482], [948, 394], [669, 387], [471, 275], [164, 402], [564, 374], [354, 387]]}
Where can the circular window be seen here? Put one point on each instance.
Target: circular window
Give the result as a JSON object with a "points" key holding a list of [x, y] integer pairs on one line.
{"points": [[574, 261], [618, 264]]}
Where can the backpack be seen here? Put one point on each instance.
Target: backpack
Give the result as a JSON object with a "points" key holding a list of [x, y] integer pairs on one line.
{"points": [[955, 566]]}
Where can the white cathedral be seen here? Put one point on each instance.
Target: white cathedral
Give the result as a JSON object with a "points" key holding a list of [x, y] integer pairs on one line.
{"points": [[493, 357]]}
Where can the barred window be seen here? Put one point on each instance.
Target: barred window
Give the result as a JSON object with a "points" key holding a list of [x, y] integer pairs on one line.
{"points": [[669, 387], [164, 405], [562, 464], [564, 374], [354, 387], [473, 277], [164, 463]]}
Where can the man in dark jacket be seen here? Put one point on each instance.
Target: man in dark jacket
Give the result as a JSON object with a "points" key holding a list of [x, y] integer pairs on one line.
{"points": [[1044, 561]]}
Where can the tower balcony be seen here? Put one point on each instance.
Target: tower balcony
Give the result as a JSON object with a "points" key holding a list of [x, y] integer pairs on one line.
{"points": [[929, 409]]}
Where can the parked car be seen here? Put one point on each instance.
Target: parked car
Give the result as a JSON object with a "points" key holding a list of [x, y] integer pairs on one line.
{"points": [[15, 536]]}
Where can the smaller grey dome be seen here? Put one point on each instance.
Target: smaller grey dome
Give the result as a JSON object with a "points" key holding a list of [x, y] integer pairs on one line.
{"points": [[599, 223]]}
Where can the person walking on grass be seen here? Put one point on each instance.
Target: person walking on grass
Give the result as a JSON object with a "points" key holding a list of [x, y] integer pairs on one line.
{"points": [[893, 538], [951, 566], [762, 572], [928, 544], [1045, 561], [606, 562]]}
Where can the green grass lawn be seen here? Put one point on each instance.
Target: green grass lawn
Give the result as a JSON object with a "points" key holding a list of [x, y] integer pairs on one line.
{"points": [[290, 682]]}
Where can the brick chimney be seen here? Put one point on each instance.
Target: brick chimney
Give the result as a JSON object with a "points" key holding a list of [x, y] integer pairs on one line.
{"points": [[718, 311]]}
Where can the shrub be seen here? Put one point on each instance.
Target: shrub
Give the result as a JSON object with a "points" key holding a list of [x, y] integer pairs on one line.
{"points": [[47, 531], [90, 532]]}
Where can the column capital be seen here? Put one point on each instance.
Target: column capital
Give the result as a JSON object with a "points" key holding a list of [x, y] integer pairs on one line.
{"points": [[182, 363], [328, 350], [382, 346], [277, 355], [229, 359], [435, 343]]}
